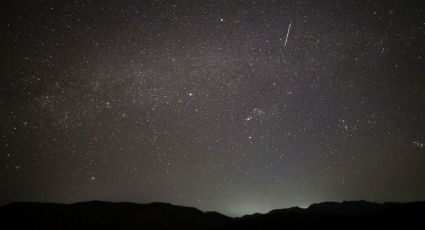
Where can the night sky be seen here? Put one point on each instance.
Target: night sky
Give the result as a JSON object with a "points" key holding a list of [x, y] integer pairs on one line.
{"points": [[232, 106]]}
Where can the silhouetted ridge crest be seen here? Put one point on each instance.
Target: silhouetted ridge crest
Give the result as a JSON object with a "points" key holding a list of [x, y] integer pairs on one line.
{"points": [[156, 215]]}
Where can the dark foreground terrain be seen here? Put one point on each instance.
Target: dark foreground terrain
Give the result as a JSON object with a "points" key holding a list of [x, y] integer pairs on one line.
{"points": [[106, 215]]}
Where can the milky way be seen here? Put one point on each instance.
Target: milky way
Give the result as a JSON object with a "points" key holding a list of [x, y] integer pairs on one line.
{"points": [[232, 106]]}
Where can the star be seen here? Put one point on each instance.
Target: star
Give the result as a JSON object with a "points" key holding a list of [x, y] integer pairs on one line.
{"points": [[418, 144], [220, 101]]}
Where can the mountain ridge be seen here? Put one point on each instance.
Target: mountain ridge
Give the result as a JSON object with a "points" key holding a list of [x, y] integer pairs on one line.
{"points": [[158, 215]]}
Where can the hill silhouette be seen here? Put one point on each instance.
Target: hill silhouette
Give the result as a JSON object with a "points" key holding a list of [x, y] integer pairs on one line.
{"points": [[108, 215]]}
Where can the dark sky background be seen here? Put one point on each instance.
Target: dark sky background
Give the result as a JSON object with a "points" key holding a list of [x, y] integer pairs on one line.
{"points": [[212, 104]]}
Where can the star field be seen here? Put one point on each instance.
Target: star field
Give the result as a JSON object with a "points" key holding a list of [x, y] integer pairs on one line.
{"points": [[232, 106]]}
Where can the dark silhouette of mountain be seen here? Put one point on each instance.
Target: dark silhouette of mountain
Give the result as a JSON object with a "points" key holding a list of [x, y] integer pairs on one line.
{"points": [[107, 215], [345, 215]]}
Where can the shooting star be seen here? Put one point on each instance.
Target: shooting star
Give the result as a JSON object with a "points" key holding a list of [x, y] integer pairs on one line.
{"points": [[287, 33]]}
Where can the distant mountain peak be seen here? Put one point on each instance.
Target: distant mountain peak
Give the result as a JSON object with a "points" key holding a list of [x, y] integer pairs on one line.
{"points": [[157, 215]]}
